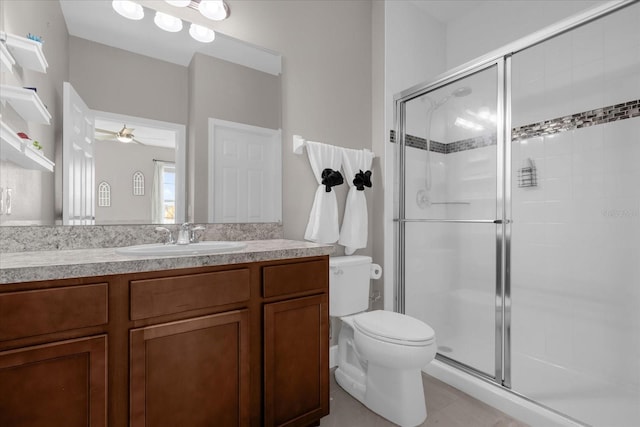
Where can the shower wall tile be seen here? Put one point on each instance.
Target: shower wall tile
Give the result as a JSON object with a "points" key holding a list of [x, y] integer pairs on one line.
{"points": [[575, 246]]}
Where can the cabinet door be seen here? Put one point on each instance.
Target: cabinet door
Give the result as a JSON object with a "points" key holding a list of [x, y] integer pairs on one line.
{"points": [[57, 384], [296, 361], [191, 373]]}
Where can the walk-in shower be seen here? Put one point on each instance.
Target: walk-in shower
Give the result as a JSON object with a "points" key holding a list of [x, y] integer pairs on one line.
{"points": [[518, 222], [423, 196]]}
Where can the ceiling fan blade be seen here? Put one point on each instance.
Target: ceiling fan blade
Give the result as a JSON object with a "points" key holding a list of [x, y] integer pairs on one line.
{"points": [[110, 132], [126, 131], [105, 137], [138, 142]]}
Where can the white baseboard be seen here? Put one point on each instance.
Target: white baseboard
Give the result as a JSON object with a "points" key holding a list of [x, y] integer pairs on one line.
{"points": [[333, 356]]}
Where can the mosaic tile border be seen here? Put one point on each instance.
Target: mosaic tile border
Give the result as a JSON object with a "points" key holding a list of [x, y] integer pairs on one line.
{"points": [[453, 147], [612, 113]]}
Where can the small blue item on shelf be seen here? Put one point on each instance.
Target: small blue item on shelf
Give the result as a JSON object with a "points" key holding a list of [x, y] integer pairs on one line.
{"points": [[35, 38]]}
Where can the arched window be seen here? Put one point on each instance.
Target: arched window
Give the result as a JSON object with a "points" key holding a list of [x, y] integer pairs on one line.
{"points": [[104, 194], [138, 184]]}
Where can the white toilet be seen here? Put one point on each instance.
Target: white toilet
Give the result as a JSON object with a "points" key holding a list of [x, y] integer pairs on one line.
{"points": [[380, 353]]}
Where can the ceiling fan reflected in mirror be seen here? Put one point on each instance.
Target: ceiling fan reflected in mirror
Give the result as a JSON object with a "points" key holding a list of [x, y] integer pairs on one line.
{"points": [[124, 135]]}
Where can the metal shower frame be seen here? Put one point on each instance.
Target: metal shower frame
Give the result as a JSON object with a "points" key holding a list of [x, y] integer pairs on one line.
{"points": [[501, 59]]}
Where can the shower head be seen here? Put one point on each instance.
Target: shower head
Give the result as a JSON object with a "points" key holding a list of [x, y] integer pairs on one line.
{"points": [[462, 91], [458, 93]]}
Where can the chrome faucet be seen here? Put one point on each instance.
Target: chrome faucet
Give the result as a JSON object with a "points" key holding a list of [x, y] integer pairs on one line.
{"points": [[193, 236], [184, 235], [187, 233], [169, 240]]}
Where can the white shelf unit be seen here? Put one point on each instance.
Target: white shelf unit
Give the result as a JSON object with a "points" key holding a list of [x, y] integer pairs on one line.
{"points": [[26, 102], [16, 150], [6, 59], [27, 53]]}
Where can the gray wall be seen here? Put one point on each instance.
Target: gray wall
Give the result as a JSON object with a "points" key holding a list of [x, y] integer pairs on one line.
{"points": [[223, 90], [129, 158], [118, 81], [33, 191], [326, 86]]}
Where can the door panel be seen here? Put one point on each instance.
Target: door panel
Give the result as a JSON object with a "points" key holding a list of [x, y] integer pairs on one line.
{"points": [[244, 173], [77, 158], [296, 377], [59, 384], [453, 215], [193, 372]]}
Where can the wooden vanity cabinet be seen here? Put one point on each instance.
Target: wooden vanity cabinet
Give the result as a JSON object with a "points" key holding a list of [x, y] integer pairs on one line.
{"points": [[53, 355], [196, 369], [191, 372], [235, 345], [296, 344]]}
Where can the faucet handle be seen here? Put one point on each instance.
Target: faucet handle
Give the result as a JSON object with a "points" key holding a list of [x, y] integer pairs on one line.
{"points": [[186, 226], [194, 237], [170, 240]]}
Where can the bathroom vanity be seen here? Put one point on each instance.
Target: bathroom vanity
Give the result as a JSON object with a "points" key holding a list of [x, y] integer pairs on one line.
{"points": [[232, 339]]}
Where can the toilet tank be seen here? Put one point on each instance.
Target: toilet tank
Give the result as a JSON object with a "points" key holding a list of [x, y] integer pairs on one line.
{"points": [[349, 278]]}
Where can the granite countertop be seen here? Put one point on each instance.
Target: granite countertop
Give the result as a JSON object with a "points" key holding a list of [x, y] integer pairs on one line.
{"points": [[19, 267]]}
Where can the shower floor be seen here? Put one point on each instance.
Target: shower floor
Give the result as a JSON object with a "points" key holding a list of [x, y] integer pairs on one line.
{"points": [[579, 395], [586, 398]]}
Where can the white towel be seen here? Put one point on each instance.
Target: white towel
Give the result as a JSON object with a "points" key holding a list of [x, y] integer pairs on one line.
{"points": [[323, 219], [355, 223]]}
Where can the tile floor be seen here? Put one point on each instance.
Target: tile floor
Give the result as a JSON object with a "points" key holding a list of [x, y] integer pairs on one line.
{"points": [[446, 407]]}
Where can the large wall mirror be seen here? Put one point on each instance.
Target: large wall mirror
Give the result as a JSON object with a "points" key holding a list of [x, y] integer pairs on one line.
{"points": [[174, 129]]}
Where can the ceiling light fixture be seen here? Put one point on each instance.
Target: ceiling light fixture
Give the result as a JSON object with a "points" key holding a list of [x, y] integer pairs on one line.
{"points": [[125, 135], [202, 34], [213, 9], [179, 3], [167, 22], [128, 9], [124, 138], [216, 10]]}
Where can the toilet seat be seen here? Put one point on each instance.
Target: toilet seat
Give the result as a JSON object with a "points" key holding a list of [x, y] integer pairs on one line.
{"points": [[394, 328]]}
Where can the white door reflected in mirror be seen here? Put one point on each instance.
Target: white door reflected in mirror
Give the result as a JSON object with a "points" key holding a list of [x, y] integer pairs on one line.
{"points": [[245, 173]]}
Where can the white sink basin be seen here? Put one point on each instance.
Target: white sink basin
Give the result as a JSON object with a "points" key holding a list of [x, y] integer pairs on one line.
{"points": [[200, 248]]}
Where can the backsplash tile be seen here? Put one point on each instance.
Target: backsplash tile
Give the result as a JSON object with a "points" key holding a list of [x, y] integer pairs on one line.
{"points": [[46, 238]]}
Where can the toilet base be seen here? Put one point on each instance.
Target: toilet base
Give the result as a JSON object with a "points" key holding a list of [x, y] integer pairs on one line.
{"points": [[396, 395]]}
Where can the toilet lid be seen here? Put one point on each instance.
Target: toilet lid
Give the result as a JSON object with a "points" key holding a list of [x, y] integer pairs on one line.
{"points": [[394, 327]]}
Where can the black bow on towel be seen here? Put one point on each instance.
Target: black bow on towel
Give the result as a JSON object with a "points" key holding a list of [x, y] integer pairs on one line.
{"points": [[362, 179], [331, 178]]}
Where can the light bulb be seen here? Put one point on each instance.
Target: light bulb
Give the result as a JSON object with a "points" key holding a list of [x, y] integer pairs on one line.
{"points": [[202, 34], [179, 3], [213, 9], [167, 22], [128, 9]]}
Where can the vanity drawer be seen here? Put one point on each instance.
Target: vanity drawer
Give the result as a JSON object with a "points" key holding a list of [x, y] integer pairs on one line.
{"points": [[44, 311], [295, 278], [169, 295]]}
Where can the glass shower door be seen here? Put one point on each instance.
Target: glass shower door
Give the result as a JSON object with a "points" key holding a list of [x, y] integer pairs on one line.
{"points": [[575, 247], [451, 218]]}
